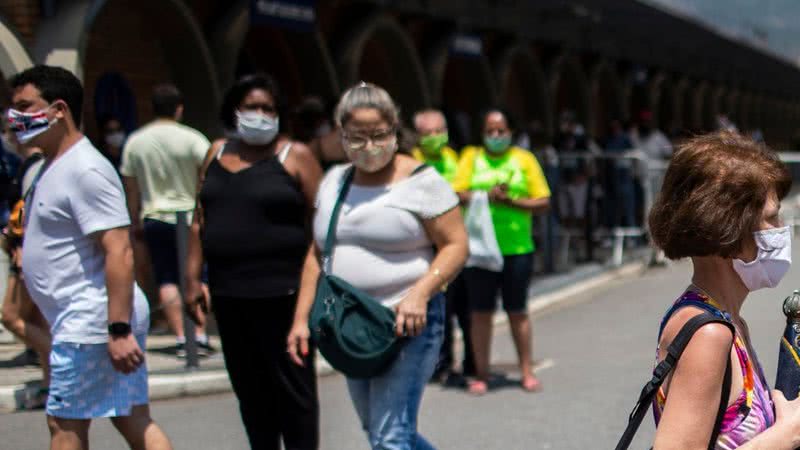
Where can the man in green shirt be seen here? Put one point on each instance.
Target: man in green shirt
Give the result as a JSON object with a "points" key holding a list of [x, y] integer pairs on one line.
{"points": [[432, 149]]}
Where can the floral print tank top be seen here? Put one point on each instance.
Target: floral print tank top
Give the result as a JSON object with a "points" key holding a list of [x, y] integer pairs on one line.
{"points": [[752, 412]]}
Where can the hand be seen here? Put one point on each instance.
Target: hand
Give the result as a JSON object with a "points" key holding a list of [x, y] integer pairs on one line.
{"points": [[412, 314], [787, 414], [499, 194], [297, 342], [125, 354], [197, 301]]}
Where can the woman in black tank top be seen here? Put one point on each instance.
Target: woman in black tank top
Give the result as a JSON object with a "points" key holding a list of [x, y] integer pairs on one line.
{"points": [[251, 226]]}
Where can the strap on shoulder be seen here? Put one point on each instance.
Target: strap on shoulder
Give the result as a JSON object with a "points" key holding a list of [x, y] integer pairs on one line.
{"points": [[284, 153], [674, 352], [330, 239]]}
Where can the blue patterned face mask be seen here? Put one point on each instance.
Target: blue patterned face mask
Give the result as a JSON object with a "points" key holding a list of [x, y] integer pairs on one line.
{"points": [[27, 126]]}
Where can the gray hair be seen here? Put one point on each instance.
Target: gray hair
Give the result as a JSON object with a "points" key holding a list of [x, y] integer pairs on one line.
{"points": [[366, 95]]}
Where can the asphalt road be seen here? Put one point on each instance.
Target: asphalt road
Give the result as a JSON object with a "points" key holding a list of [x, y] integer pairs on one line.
{"points": [[597, 352]]}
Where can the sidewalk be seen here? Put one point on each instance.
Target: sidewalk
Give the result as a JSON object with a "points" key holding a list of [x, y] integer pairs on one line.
{"points": [[168, 378]]}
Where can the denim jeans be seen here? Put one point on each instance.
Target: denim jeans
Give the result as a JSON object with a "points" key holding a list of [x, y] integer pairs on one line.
{"points": [[387, 405]]}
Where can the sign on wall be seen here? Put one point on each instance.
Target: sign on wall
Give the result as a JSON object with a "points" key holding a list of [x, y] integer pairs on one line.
{"points": [[298, 15], [468, 45]]}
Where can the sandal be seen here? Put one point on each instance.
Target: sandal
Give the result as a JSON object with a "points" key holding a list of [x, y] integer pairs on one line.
{"points": [[477, 387], [531, 384]]}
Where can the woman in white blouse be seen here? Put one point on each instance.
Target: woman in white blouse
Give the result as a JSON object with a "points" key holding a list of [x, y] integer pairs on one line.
{"points": [[400, 238]]}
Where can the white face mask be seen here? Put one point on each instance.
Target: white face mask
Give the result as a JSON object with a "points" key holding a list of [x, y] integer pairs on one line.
{"points": [[27, 126], [772, 261], [115, 139], [372, 158], [255, 128]]}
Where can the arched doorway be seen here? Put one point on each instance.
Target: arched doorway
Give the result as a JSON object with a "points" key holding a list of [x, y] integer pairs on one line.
{"points": [[150, 41], [13, 59], [569, 90], [298, 59], [607, 99], [665, 104], [375, 52], [523, 88], [452, 73]]}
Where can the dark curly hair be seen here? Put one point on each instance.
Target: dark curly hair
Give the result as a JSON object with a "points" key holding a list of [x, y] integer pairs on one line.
{"points": [[239, 90]]}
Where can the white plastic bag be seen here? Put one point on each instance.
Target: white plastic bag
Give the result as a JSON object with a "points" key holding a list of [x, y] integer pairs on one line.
{"points": [[483, 249]]}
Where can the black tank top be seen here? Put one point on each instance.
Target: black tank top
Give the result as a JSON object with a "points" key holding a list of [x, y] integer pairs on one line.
{"points": [[255, 233]]}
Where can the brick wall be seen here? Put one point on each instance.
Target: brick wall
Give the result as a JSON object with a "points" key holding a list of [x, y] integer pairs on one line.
{"points": [[122, 40]]}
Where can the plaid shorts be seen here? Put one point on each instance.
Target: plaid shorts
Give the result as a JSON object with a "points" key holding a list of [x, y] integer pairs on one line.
{"points": [[84, 384]]}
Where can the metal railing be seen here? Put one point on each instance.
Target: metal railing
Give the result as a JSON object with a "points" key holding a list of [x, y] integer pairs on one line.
{"points": [[624, 181]]}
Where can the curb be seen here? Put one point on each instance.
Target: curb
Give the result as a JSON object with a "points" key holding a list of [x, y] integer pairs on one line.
{"points": [[176, 385]]}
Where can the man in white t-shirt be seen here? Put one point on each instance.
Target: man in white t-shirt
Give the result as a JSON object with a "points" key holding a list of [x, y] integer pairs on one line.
{"points": [[160, 166], [78, 267]]}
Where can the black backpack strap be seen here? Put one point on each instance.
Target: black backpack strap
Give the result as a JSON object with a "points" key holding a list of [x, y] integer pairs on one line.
{"points": [[674, 352]]}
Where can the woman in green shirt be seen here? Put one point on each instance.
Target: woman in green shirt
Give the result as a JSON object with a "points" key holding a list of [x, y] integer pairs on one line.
{"points": [[517, 189]]}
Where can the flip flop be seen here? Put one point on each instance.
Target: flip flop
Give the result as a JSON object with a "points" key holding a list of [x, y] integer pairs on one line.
{"points": [[531, 384], [477, 387]]}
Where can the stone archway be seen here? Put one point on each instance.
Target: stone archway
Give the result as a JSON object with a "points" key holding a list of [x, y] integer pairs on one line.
{"points": [[569, 90], [300, 61], [377, 47], [14, 58], [151, 41], [666, 105], [607, 98], [451, 74], [523, 87]]}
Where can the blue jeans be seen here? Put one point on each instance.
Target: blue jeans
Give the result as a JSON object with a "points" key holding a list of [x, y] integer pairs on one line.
{"points": [[388, 404]]}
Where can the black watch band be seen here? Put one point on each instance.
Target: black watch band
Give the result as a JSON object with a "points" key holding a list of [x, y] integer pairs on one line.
{"points": [[119, 329]]}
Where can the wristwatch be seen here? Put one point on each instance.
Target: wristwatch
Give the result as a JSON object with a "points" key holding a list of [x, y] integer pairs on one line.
{"points": [[119, 329]]}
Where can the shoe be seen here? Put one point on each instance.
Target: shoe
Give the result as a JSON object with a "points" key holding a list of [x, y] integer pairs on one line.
{"points": [[205, 348], [439, 375], [180, 350]]}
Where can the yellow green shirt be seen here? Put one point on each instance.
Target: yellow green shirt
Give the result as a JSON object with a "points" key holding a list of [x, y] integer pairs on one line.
{"points": [[519, 169], [446, 165]]}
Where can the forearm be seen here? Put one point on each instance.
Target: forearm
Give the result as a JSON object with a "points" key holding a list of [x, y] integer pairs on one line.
{"points": [[534, 205], [119, 283], [194, 258], [444, 268], [308, 285]]}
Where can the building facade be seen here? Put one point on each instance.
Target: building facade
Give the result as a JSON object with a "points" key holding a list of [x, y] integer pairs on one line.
{"points": [[603, 60]]}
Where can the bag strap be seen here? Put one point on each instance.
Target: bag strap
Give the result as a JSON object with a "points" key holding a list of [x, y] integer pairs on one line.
{"points": [[674, 352], [330, 239]]}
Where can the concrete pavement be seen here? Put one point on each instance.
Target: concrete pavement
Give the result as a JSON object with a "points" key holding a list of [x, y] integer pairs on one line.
{"points": [[20, 384], [599, 347]]}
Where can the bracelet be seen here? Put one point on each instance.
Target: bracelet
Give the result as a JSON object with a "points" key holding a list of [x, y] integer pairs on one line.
{"points": [[438, 274], [14, 269]]}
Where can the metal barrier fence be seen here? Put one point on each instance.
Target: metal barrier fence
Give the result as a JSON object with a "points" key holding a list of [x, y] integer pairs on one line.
{"points": [[599, 198]]}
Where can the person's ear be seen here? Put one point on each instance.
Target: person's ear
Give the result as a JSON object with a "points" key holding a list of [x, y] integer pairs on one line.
{"points": [[60, 110], [179, 113]]}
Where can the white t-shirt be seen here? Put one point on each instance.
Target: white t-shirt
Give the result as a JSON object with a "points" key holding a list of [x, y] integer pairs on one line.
{"points": [[64, 267], [381, 244]]}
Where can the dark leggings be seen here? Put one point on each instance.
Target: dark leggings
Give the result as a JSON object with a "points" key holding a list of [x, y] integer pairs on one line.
{"points": [[277, 398]]}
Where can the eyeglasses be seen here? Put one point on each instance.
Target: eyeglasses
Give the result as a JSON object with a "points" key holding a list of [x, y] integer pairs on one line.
{"points": [[358, 141]]}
